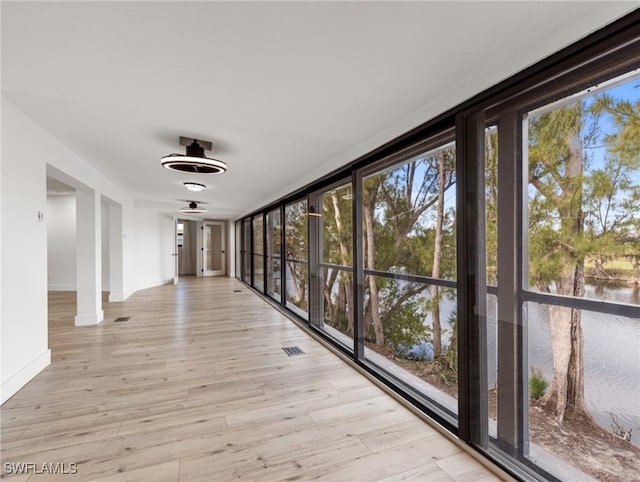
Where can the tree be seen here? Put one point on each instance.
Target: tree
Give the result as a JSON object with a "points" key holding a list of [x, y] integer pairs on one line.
{"points": [[337, 238], [582, 207], [296, 253], [491, 204], [372, 313], [614, 223], [556, 163], [437, 255], [399, 237]]}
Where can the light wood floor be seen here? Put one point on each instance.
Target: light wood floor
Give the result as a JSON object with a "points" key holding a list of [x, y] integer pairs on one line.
{"points": [[196, 386]]}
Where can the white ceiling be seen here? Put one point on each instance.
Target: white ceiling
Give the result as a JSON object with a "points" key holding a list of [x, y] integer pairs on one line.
{"points": [[286, 91]]}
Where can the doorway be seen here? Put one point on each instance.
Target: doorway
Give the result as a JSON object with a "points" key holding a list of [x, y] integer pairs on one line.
{"points": [[187, 244], [213, 249]]}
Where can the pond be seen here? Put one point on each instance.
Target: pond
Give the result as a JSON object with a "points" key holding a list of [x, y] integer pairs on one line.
{"points": [[611, 355]]}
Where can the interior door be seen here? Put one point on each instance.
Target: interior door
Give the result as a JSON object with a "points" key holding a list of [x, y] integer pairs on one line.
{"points": [[213, 249]]}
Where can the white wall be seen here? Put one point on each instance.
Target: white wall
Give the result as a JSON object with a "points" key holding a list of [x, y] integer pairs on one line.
{"points": [[61, 242], [154, 247], [24, 255], [23, 328], [147, 241]]}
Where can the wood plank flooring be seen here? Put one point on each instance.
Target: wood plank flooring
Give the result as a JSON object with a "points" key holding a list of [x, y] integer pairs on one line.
{"points": [[196, 387]]}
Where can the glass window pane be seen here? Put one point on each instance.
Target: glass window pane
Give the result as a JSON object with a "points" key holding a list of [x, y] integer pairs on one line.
{"points": [[338, 319], [491, 203], [246, 262], [337, 284], [582, 213], [491, 259], [298, 288], [401, 339], [492, 364], [297, 272], [258, 259], [273, 254], [337, 241], [584, 194], [258, 273], [605, 396], [238, 248], [258, 235], [409, 216]]}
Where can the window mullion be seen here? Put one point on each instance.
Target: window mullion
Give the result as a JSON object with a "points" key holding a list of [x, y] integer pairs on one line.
{"points": [[357, 260], [471, 269], [512, 402], [316, 283]]}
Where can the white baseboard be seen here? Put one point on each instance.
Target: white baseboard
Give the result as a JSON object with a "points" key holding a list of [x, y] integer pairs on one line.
{"points": [[62, 287], [88, 319], [15, 382]]}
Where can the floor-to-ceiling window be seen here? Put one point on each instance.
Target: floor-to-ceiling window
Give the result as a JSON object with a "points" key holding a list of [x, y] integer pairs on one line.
{"points": [[510, 315], [296, 258], [332, 265], [409, 259], [561, 246], [238, 249], [258, 252], [246, 250], [274, 259], [581, 214]]}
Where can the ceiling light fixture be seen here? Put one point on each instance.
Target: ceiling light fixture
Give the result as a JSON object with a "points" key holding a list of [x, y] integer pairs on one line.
{"points": [[192, 209], [194, 186], [194, 160]]}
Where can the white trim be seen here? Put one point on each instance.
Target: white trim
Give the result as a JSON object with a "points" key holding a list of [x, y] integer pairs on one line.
{"points": [[18, 380], [61, 287], [88, 319], [117, 297]]}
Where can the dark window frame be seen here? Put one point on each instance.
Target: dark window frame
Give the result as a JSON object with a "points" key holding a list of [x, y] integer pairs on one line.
{"points": [[599, 56]]}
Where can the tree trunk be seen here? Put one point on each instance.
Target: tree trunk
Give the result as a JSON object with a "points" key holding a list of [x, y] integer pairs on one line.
{"points": [[344, 259], [369, 264], [566, 394], [437, 255], [329, 281], [296, 282]]}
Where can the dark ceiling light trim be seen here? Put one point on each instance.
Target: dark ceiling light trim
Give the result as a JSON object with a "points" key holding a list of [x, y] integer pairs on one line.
{"points": [[192, 209], [194, 161], [194, 186]]}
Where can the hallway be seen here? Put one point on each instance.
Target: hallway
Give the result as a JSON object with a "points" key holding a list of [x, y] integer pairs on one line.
{"points": [[196, 386]]}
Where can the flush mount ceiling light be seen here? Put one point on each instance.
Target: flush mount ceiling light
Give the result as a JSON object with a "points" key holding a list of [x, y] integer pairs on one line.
{"points": [[194, 186], [192, 209], [194, 160]]}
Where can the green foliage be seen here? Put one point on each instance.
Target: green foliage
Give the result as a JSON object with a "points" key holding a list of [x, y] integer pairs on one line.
{"points": [[296, 250], [449, 372], [538, 384], [404, 200], [449, 359], [581, 209], [403, 323]]}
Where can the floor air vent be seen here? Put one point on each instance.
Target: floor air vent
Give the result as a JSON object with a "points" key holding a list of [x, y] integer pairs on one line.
{"points": [[292, 350], [121, 319]]}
